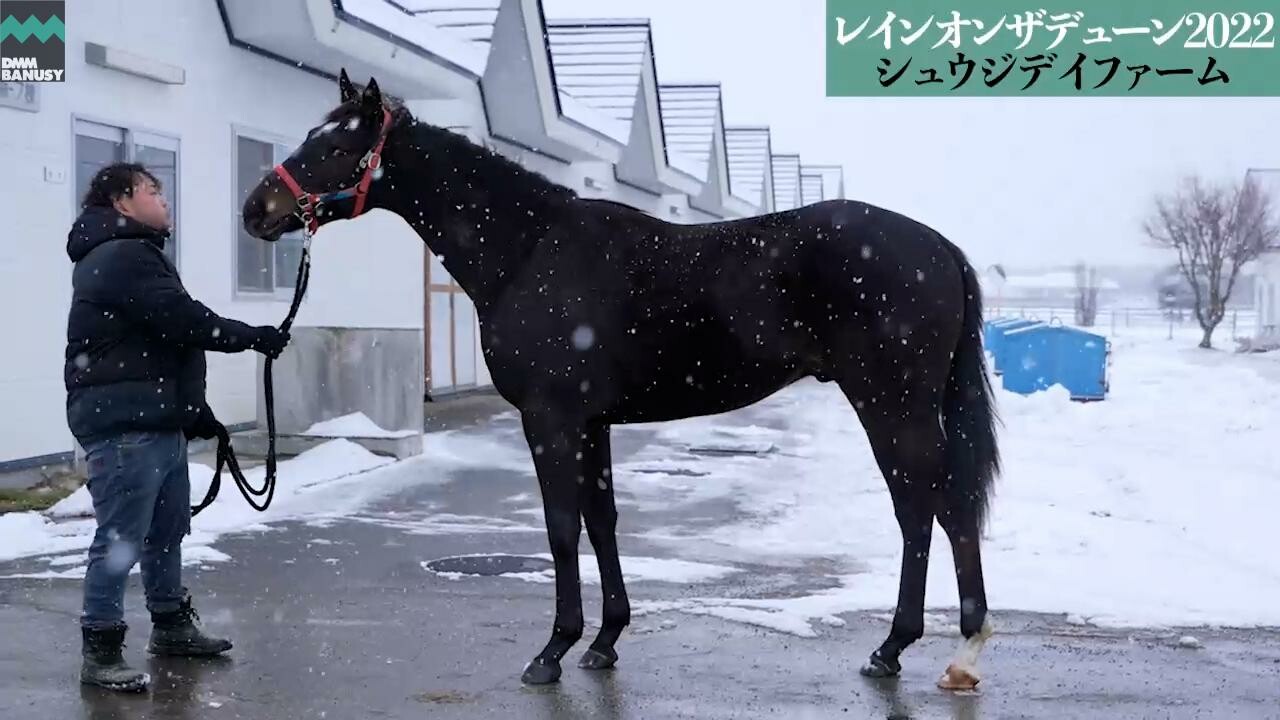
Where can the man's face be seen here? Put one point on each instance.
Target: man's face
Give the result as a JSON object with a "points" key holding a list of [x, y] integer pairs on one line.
{"points": [[146, 205]]}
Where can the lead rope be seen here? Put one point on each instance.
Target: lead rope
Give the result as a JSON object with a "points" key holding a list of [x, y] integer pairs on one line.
{"points": [[227, 454], [308, 206]]}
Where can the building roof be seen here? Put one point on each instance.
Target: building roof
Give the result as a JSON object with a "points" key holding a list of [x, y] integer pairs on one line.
{"points": [[748, 151], [1053, 281], [689, 115], [396, 20], [832, 180], [598, 64], [471, 20], [810, 187], [786, 181]]}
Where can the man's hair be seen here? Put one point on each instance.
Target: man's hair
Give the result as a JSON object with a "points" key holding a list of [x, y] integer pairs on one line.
{"points": [[115, 181]]}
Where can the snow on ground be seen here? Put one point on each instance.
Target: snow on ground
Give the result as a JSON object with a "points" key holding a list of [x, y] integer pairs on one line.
{"points": [[331, 481], [355, 425], [1150, 508], [634, 569]]}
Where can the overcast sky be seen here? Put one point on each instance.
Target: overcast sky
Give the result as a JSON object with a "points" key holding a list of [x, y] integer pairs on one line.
{"points": [[1019, 181]]}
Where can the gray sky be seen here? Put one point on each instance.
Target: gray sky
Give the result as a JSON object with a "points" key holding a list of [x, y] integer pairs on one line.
{"points": [[1019, 181]]}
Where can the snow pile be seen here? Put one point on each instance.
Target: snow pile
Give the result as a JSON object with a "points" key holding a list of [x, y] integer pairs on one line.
{"points": [[1151, 508], [324, 481], [333, 481], [354, 425], [29, 533]]}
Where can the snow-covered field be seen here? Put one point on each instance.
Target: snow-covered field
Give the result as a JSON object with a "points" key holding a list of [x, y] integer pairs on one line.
{"points": [[1151, 508]]}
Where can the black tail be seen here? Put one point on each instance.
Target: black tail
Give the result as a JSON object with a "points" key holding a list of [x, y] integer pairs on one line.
{"points": [[969, 417]]}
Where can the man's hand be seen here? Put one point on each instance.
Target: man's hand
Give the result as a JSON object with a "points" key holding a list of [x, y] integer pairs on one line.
{"points": [[205, 427], [270, 341]]}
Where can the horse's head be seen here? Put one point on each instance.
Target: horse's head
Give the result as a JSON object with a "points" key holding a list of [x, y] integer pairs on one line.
{"points": [[328, 175]]}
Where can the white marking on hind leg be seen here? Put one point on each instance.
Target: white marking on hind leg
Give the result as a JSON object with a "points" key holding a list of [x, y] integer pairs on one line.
{"points": [[962, 673]]}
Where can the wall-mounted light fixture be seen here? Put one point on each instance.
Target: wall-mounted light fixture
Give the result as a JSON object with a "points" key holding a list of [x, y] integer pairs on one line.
{"points": [[127, 62]]}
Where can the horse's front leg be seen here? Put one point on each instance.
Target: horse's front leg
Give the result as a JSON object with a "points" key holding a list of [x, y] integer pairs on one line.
{"points": [[601, 516], [557, 443]]}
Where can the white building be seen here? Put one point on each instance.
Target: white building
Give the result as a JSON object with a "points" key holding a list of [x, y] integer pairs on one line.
{"points": [[786, 182], [750, 153], [1044, 290], [1267, 271], [211, 93], [832, 179], [1267, 299]]}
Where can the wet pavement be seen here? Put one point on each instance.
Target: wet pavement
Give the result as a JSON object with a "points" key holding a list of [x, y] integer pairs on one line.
{"points": [[340, 619]]}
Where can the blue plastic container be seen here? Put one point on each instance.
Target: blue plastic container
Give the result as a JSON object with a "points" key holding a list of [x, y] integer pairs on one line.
{"points": [[996, 335], [1037, 357]]}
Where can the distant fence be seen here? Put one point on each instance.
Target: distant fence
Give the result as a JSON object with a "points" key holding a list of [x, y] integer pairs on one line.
{"points": [[1239, 324]]}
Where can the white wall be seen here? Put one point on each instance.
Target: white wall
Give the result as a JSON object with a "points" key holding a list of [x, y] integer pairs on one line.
{"points": [[364, 275], [1268, 293]]}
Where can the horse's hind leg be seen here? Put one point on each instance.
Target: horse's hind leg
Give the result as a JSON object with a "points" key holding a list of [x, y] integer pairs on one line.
{"points": [[975, 627], [908, 446]]}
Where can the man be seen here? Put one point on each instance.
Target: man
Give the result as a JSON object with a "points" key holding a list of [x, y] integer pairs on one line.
{"points": [[135, 378]]}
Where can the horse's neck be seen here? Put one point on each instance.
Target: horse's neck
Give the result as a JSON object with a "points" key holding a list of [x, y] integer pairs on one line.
{"points": [[481, 229]]}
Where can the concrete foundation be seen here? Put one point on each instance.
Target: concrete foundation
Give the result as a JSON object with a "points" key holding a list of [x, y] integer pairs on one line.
{"points": [[329, 372], [254, 444]]}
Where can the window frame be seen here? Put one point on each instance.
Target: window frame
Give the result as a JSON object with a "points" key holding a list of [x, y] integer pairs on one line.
{"points": [[277, 294], [127, 132]]}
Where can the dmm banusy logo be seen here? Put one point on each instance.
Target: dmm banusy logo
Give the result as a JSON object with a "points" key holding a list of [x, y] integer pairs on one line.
{"points": [[33, 40]]}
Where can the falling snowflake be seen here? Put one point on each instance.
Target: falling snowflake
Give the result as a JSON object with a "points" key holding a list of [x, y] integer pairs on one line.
{"points": [[584, 337]]}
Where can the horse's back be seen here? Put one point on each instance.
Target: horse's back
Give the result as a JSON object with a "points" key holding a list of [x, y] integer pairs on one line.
{"points": [[682, 320]]}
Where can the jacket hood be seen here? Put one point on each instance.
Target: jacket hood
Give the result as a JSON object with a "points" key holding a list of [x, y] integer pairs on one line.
{"points": [[98, 225]]}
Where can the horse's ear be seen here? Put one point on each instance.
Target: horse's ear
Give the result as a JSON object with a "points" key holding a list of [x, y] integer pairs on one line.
{"points": [[372, 98], [347, 89]]}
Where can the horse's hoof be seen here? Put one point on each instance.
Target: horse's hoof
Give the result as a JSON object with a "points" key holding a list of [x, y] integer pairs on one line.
{"points": [[878, 667], [540, 672], [594, 659], [958, 677]]}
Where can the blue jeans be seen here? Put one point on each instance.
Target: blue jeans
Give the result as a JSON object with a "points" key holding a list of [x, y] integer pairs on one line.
{"points": [[141, 495]]}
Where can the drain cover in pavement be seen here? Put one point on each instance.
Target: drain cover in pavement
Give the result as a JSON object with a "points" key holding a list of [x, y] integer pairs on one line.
{"points": [[675, 472], [490, 564], [733, 448]]}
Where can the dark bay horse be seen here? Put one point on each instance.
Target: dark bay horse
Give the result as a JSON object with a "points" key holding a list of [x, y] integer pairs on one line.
{"points": [[593, 313]]}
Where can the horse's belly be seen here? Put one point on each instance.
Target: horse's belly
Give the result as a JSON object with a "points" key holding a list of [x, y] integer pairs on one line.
{"points": [[700, 390]]}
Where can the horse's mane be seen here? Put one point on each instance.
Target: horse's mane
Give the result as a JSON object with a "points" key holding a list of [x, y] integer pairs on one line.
{"points": [[490, 167]]}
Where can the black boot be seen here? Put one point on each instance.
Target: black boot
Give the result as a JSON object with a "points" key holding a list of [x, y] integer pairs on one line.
{"points": [[104, 664], [175, 633]]}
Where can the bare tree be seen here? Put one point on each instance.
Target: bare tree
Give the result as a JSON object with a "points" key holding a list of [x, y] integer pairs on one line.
{"points": [[1086, 295], [1216, 230]]}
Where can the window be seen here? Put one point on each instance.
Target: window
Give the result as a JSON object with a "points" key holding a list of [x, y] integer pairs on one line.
{"points": [[452, 334], [261, 267], [99, 145]]}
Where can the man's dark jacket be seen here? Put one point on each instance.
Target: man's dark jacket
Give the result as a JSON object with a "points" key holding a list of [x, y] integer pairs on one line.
{"points": [[135, 339]]}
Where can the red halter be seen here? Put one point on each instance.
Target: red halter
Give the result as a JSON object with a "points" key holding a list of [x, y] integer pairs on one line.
{"points": [[309, 203]]}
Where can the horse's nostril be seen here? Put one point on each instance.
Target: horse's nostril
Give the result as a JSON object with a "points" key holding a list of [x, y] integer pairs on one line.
{"points": [[254, 210]]}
